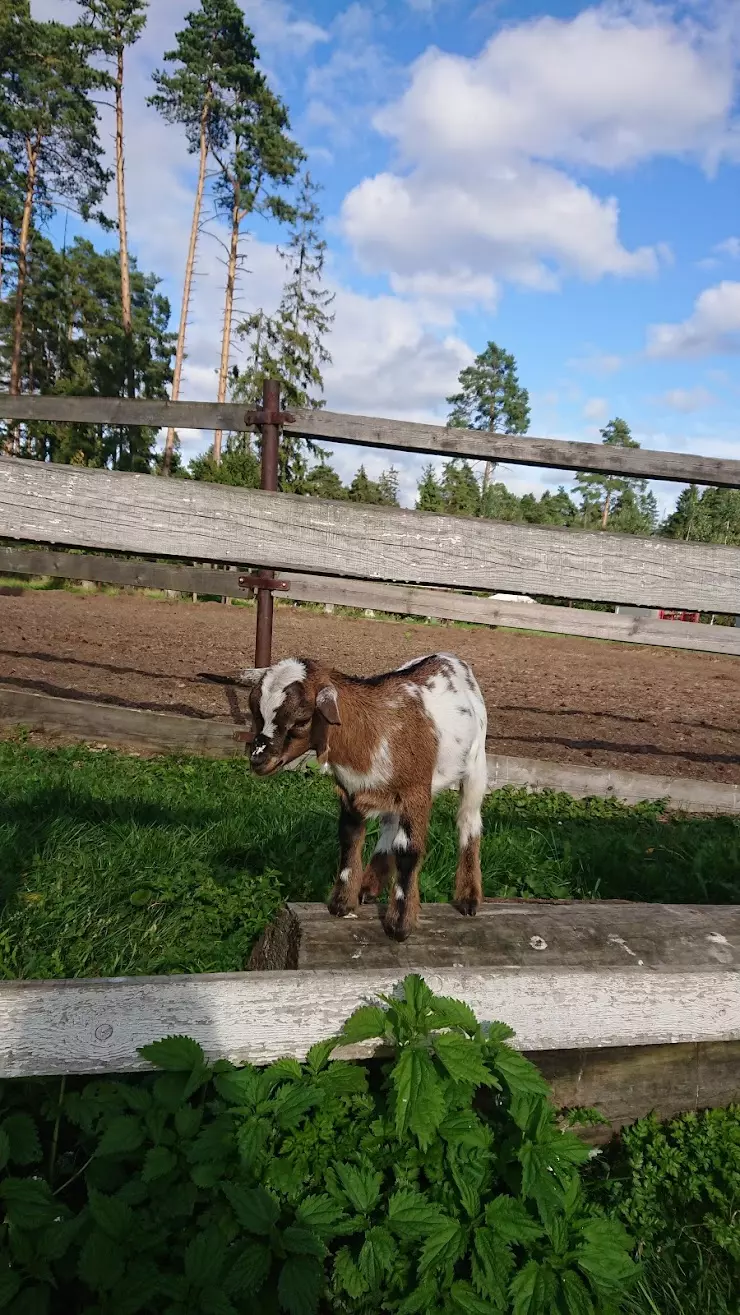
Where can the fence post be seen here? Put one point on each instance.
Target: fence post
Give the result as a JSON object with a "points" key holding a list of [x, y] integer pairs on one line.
{"points": [[270, 429]]}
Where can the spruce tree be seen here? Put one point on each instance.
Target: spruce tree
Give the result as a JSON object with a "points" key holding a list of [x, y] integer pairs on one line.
{"points": [[429, 492]]}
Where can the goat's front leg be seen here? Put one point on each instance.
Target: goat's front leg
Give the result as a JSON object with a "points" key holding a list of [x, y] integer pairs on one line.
{"points": [[346, 893], [408, 851]]}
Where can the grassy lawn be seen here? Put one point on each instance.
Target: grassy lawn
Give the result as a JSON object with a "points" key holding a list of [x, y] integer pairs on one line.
{"points": [[112, 864]]}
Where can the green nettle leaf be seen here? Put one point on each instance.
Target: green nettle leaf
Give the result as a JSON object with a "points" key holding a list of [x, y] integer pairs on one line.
{"points": [[511, 1221], [176, 1054], [251, 1139], [377, 1256], [321, 1215], [464, 1298], [187, 1121], [344, 1079], [604, 1256], [300, 1285], [10, 1283], [158, 1162], [256, 1209], [215, 1303], [361, 1186], [25, 1147], [533, 1290], [111, 1215], [492, 1266], [463, 1060], [302, 1242], [207, 1175], [101, 1263], [576, 1296], [319, 1055], [348, 1276], [448, 1012], [122, 1136], [519, 1073], [499, 1032], [444, 1245], [420, 1102], [251, 1267], [411, 1215], [284, 1070], [422, 1299], [420, 1000], [366, 1023], [28, 1202], [204, 1259], [465, 1131], [292, 1103], [4, 1148]]}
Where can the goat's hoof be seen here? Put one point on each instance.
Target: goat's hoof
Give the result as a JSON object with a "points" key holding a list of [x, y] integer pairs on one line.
{"points": [[396, 930], [467, 907], [339, 907], [368, 897]]}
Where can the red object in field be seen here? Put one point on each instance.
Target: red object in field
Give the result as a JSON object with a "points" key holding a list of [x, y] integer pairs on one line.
{"points": [[678, 616]]}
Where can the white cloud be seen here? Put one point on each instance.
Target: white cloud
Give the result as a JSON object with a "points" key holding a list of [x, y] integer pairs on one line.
{"points": [[595, 408], [597, 363], [730, 247], [482, 143], [687, 400], [713, 327]]}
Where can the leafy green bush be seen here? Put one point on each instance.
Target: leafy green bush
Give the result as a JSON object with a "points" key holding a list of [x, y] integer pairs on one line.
{"points": [[438, 1181], [676, 1185]]}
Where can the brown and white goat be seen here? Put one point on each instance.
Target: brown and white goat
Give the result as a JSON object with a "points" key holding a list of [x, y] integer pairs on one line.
{"points": [[392, 742]]}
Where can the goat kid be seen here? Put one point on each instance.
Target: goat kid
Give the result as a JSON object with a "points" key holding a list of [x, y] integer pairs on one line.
{"points": [[392, 742]]}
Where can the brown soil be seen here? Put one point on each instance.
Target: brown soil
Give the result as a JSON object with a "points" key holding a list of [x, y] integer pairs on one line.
{"points": [[663, 711]]}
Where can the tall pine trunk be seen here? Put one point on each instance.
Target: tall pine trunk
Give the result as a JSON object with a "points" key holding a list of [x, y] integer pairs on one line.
{"points": [[605, 511], [123, 231], [14, 387], [228, 317], [169, 447]]}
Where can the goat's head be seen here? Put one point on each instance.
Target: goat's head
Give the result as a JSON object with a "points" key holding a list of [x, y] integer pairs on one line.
{"points": [[293, 703]]}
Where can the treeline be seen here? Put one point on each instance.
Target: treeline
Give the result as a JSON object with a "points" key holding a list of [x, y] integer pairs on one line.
{"points": [[78, 320]]}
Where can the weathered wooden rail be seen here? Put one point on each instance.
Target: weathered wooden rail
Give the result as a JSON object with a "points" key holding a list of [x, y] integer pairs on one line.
{"points": [[402, 600], [627, 1007]]}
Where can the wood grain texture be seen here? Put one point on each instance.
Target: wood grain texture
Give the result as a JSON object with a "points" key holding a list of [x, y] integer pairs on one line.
{"points": [[173, 518], [403, 600], [597, 935], [626, 1084], [171, 732], [97, 1026], [525, 450], [370, 431]]}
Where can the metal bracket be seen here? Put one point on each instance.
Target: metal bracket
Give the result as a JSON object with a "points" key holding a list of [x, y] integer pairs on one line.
{"points": [[257, 582], [261, 417]]}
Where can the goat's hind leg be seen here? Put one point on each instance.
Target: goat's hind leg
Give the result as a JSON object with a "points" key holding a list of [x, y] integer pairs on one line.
{"points": [[468, 879], [381, 867]]}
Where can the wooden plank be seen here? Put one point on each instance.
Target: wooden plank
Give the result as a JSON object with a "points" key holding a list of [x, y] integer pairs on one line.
{"points": [[402, 600], [526, 450], [171, 732], [175, 518], [625, 1084], [596, 935], [115, 725], [370, 431], [681, 793], [97, 1026]]}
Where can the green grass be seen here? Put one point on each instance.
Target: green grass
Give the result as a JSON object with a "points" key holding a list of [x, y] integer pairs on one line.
{"points": [[112, 864]]}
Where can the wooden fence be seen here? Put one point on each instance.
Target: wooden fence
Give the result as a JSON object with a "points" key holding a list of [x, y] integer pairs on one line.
{"points": [[630, 1007]]}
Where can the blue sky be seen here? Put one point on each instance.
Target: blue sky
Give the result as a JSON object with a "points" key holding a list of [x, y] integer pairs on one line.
{"points": [[562, 179]]}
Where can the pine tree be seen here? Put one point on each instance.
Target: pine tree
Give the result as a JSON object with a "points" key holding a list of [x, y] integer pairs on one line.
{"points": [[712, 516], [50, 127], [460, 492], [291, 344], [429, 492], [239, 464], [115, 25], [187, 95], [322, 481], [256, 160], [388, 488], [499, 504], [597, 490], [363, 489], [490, 399]]}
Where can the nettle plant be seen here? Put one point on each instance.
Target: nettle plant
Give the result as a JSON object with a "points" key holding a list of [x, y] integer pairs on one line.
{"points": [[437, 1181]]}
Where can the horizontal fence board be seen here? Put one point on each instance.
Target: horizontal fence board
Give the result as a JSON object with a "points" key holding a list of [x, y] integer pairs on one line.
{"points": [[138, 513], [370, 431], [597, 935], [402, 600], [97, 1026], [172, 732], [524, 450]]}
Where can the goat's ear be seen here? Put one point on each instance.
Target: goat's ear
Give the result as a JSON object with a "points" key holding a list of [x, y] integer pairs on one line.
{"points": [[327, 703], [251, 675]]}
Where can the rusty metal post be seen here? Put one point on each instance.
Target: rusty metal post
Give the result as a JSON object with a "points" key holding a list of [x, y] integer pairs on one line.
{"points": [[270, 429]]}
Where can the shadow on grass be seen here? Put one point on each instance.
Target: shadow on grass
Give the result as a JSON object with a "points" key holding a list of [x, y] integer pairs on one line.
{"points": [[111, 864]]}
